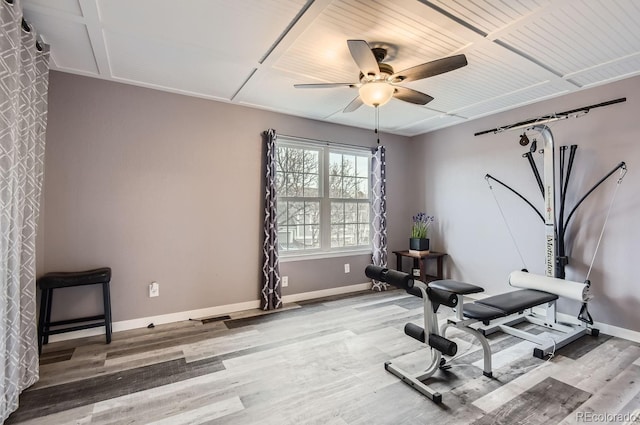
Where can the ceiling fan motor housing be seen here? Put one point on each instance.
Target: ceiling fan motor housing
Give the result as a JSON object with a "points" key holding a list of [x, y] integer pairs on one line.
{"points": [[386, 71]]}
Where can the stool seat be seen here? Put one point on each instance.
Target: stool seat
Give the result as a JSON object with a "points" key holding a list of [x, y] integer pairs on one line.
{"points": [[56, 280], [67, 279]]}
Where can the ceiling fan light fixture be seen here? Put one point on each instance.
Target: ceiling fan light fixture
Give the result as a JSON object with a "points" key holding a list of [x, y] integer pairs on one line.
{"points": [[376, 93]]}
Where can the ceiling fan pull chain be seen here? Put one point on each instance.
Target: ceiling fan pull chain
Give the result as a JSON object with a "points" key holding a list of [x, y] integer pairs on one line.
{"points": [[377, 124]]}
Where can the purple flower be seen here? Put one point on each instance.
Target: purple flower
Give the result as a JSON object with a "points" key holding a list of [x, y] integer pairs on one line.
{"points": [[421, 223]]}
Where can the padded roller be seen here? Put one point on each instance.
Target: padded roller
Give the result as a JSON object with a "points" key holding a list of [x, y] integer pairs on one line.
{"points": [[415, 291], [442, 297], [415, 332], [393, 277], [442, 344]]}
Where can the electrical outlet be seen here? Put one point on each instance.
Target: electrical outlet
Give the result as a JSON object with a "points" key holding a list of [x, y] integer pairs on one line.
{"points": [[347, 268], [285, 281], [154, 289]]}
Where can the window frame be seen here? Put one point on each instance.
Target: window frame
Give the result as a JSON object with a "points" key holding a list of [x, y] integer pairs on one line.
{"points": [[325, 222]]}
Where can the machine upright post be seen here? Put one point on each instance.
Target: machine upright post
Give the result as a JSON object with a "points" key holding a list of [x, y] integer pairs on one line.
{"points": [[549, 199]]}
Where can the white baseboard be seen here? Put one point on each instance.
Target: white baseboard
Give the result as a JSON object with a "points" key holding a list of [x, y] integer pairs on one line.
{"points": [[143, 322], [326, 292], [605, 328], [249, 305]]}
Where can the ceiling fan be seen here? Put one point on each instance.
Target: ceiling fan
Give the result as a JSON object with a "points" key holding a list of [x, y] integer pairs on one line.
{"points": [[378, 81]]}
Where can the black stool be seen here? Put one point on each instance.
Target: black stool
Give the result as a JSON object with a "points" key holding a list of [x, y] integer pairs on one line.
{"points": [[51, 281]]}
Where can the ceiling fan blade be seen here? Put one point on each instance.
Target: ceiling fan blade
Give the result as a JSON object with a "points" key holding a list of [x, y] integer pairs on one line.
{"points": [[323, 85], [429, 69], [355, 104], [411, 96], [364, 57]]}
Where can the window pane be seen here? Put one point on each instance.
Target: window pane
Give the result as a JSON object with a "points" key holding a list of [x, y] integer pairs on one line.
{"points": [[350, 212], [337, 236], [363, 212], [296, 213], [363, 234], [348, 165], [362, 166], [281, 186], [349, 187], [282, 214], [350, 235], [335, 187], [282, 237], [296, 237], [295, 160], [281, 158], [335, 164], [337, 212], [311, 162], [312, 213], [312, 236], [362, 189], [297, 181], [311, 187]]}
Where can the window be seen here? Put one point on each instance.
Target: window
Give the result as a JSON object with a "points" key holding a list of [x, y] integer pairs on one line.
{"points": [[323, 198]]}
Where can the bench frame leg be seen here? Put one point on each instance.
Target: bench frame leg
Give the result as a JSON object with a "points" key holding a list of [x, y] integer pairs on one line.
{"points": [[547, 344]]}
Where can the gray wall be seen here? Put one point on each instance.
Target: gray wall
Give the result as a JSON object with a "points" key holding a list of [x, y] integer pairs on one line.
{"points": [[166, 187], [448, 167]]}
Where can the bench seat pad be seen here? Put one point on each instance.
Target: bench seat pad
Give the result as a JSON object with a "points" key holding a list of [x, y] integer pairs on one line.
{"points": [[481, 312], [456, 287], [516, 301], [66, 279]]}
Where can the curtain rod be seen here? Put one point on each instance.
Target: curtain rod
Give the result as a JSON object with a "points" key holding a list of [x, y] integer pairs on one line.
{"points": [[327, 142]]}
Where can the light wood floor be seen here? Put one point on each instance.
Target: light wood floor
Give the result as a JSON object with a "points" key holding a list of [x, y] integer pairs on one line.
{"points": [[322, 362]]}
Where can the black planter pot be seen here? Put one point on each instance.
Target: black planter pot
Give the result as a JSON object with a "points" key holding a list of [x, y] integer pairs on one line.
{"points": [[419, 244]]}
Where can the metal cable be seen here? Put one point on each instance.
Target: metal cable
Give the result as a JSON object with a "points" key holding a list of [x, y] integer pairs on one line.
{"points": [[504, 218], [623, 172]]}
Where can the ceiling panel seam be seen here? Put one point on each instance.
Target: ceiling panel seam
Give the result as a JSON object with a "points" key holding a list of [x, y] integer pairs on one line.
{"points": [[285, 32], [454, 18], [253, 71]]}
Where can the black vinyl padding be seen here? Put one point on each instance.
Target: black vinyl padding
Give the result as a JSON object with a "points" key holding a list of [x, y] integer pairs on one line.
{"points": [[506, 304], [392, 277], [66, 279], [455, 287], [513, 302], [442, 297], [481, 312]]}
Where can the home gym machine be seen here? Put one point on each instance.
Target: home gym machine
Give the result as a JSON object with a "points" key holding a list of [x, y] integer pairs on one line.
{"points": [[501, 312], [556, 258]]}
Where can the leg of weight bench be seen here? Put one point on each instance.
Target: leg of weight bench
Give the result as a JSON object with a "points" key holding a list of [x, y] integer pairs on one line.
{"points": [[486, 348]]}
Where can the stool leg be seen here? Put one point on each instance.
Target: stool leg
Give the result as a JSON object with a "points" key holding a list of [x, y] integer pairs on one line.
{"points": [[41, 319], [106, 297], [45, 336]]}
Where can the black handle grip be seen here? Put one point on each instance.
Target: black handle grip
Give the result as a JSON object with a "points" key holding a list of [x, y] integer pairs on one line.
{"points": [[393, 277]]}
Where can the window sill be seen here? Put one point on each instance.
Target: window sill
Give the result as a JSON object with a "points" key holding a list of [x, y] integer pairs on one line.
{"points": [[323, 255]]}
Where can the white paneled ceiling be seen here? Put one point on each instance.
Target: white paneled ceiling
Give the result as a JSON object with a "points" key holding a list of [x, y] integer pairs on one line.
{"points": [[252, 52]]}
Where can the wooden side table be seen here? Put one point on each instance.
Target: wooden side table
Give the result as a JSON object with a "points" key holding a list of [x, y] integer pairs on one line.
{"points": [[419, 262]]}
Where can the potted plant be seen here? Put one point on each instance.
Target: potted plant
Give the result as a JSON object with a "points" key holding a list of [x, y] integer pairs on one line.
{"points": [[419, 232]]}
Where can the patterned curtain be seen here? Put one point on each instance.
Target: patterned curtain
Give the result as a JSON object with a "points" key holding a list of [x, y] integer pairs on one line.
{"points": [[379, 207], [23, 110], [271, 289]]}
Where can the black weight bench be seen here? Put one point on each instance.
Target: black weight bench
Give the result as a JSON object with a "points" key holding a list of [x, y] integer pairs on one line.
{"points": [[479, 318], [57, 280], [497, 306]]}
